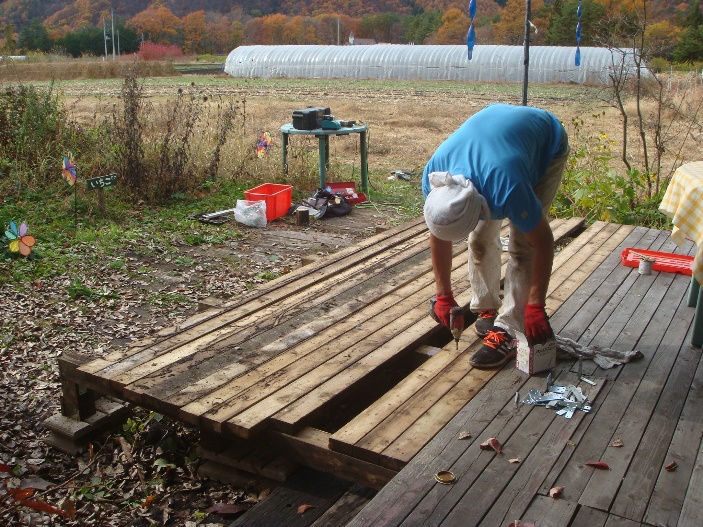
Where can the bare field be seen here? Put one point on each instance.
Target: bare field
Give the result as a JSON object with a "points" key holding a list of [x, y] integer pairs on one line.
{"points": [[408, 119]]}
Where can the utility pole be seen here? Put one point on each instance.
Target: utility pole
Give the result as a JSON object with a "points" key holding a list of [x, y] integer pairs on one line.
{"points": [[338, 31], [105, 38], [112, 22]]}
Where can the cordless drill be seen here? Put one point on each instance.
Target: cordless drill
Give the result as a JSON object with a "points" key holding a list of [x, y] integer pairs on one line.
{"points": [[456, 320]]}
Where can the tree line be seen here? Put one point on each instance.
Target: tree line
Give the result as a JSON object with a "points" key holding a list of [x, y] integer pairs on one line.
{"points": [[673, 35]]}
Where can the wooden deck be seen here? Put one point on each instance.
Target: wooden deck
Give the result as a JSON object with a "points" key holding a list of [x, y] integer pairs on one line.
{"points": [[337, 366], [653, 406]]}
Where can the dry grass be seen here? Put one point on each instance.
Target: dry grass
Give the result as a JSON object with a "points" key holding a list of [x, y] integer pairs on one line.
{"points": [[19, 71]]}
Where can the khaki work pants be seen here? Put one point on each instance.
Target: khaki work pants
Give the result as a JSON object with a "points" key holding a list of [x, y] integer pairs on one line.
{"points": [[485, 252]]}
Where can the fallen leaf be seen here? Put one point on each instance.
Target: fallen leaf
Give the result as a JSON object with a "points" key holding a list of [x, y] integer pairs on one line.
{"points": [[227, 509], [264, 493], [149, 500], [555, 492], [514, 460], [598, 464], [43, 506], [492, 444], [464, 435], [570, 442], [21, 494], [617, 442], [518, 523], [5, 468], [671, 466], [305, 507]]}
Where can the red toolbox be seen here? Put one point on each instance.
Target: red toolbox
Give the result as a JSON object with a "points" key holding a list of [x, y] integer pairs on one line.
{"points": [[347, 189]]}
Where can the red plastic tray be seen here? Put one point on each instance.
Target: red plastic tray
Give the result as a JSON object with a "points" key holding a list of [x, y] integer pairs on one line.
{"points": [[348, 190], [667, 262]]}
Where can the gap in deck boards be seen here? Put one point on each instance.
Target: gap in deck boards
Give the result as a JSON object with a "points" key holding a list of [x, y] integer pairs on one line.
{"points": [[367, 392], [374, 386]]}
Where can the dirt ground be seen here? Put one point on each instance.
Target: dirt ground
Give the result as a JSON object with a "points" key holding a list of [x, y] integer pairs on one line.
{"points": [[146, 474]]}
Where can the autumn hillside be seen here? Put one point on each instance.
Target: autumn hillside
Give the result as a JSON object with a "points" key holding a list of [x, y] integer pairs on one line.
{"points": [[666, 28], [20, 12]]}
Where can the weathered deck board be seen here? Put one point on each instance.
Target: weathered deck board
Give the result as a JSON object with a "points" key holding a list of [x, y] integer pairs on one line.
{"points": [[692, 510], [306, 487], [292, 415]]}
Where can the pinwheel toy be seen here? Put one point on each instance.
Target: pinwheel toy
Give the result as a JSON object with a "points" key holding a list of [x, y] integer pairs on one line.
{"points": [[264, 144], [20, 241], [69, 169]]}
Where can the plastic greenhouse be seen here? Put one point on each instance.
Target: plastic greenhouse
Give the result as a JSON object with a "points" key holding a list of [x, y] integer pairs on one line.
{"points": [[548, 64]]}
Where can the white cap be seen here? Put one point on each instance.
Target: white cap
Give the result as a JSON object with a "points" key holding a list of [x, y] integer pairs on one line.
{"points": [[453, 206]]}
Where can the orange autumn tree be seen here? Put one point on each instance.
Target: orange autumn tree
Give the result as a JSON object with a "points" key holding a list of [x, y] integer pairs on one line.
{"points": [[510, 29], [157, 23], [193, 26], [455, 25], [273, 28], [333, 28], [221, 34], [299, 30]]}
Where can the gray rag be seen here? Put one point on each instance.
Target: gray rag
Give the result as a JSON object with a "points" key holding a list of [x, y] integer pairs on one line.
{"points": [[606, 358]]}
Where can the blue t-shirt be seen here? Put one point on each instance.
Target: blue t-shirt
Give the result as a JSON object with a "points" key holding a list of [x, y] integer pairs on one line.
{"points": [[504, 150]]}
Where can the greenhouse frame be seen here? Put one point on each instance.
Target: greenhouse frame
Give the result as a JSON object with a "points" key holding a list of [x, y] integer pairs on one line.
{"points": [[504, 64]]}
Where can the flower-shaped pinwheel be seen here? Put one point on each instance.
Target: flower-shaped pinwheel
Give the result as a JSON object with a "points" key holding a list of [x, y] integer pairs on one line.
{"points": [[69, 169], [263, 145], [20, 241]]}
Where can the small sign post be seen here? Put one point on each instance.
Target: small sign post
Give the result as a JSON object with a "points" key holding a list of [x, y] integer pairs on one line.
{"points": [[99, 183]]}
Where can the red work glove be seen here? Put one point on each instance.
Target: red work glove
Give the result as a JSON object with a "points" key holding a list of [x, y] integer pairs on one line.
{"points": [[537, 328], [440, 310]]}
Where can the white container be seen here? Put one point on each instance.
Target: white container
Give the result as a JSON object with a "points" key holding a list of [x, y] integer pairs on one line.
{"points": [[645, 266], [537, 358]]}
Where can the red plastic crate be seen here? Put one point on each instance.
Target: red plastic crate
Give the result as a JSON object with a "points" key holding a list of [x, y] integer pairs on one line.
{"points": [[667, 262], [348, 190], [278, 198]]}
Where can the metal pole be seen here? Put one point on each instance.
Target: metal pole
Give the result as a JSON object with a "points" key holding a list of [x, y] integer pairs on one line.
{"points": [[105, 38], [526, 62], [112, 33]]}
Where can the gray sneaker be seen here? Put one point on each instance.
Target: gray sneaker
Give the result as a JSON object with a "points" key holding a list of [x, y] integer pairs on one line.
{"points": [[498, 348], [484, 322]]}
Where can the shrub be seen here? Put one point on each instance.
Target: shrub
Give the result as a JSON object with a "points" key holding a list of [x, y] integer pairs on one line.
{"points": [[34, 133], [149, 50], [170, 150]]}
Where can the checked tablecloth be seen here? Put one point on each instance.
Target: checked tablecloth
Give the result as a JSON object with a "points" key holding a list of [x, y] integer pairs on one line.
{"points": [[683, 203]]}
